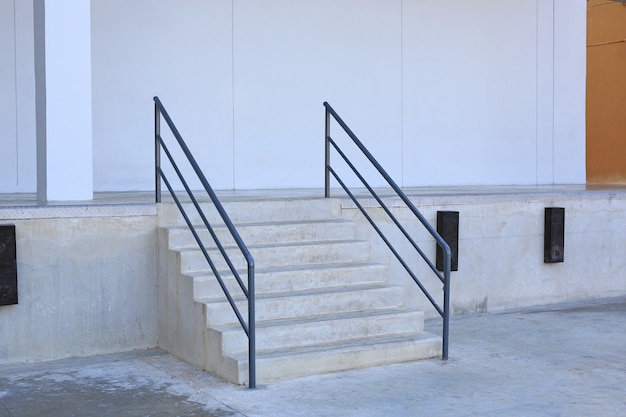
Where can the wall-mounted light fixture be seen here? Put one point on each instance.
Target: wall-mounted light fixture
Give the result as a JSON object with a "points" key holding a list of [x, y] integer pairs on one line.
{"points": [[448, 228], [8, 266], [554, 235]]}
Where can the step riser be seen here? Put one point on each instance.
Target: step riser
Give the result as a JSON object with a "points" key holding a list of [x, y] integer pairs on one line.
{"points": [[276, 256], [298, 280], [306, 306], [264, 233], [253, 211], [331, 331]]}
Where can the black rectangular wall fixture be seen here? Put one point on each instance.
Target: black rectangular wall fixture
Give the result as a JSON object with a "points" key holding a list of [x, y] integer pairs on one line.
{"points": [[8, 266], [448, 228], [554, 235]]}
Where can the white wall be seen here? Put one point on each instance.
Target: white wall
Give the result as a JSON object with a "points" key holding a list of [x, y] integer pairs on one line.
{"points": [[444, 92], [570, 66], [470, 86], [8, 133], [17, 98], [290, 57], [179, 51]]}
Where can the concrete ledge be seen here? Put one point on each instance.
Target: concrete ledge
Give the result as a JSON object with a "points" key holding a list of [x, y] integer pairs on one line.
{"points": [[76, 211], [485, 196]]}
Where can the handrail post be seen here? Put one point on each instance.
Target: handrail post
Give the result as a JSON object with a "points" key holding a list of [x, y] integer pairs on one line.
{"points": [[327, 158], [157, 153], [446, 304], [251, 329]]}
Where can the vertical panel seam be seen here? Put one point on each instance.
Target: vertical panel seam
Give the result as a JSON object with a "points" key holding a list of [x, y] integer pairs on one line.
{"points": [[402, 174], [232, 70], [553, 86]]}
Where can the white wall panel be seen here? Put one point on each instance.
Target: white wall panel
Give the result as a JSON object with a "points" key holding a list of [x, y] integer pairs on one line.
{"points": [[444, 92], [291, 56], [25, 97], [8, 127], [570, 20], [178, 50], [470, 79], [545, 92]]}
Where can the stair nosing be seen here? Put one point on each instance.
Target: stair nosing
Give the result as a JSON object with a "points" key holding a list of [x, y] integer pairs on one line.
{"points": [[201, 275], [191, 248], [263, 223]]}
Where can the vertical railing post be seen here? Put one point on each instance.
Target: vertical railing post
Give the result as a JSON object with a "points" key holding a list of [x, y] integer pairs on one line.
{"points": [[446, 304], [251, 329], [327, 157], [157, 152]]}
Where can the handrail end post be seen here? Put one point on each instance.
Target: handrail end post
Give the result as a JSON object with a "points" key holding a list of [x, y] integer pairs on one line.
{"points": [[251, 327], [327, 151], [157, 150], [446, 304]]}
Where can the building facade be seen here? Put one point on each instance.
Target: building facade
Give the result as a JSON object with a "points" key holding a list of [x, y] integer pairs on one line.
{"points": [[445, 92]]}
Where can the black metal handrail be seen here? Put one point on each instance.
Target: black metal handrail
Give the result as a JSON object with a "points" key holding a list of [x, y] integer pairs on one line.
{"points": [[444, 311], [249, 328]]}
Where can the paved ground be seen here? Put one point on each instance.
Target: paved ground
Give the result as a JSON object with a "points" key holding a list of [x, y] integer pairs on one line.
{"points": [[564, 360]]}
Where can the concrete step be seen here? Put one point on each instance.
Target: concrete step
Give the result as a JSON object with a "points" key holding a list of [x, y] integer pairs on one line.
{"points": [[276, 255], [323, 329], [277, 364], [292, 278], [306, 304], [322, 304], [254, 211], [180, 237]]}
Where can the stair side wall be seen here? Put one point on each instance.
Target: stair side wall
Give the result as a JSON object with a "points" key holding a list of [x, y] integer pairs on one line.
{"points": [[182, 330]]}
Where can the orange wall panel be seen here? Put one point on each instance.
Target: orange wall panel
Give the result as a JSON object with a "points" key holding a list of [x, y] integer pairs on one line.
{"points": [[605, 21], [606, 92]]}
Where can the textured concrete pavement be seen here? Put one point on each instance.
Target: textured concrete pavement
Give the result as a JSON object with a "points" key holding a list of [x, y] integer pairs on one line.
{"points": [[562, 360]]}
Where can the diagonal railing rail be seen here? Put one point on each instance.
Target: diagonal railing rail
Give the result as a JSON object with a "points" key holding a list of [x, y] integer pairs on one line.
{"points": [[444, 311], [249, 327]]}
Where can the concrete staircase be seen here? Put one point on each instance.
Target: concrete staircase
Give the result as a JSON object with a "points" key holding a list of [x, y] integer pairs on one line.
{"points": [[322, 305]]}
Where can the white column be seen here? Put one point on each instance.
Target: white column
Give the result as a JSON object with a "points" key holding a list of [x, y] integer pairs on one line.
{"points": [[63, 84]]}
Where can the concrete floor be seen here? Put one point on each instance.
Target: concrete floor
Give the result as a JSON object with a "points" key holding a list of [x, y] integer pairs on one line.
{"points": [[561, 360]]}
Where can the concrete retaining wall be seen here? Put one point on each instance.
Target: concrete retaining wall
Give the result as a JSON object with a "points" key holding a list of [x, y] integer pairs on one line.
{"points": [[87, 285], [501, 240], [88, 276]]}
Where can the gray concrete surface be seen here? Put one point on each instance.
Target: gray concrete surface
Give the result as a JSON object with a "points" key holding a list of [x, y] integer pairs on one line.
{"points": [[561, 360]]}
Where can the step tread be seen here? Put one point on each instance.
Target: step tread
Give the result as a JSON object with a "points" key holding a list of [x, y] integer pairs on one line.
{"points": [[202, 275], [354, 345], [304, 293], [264, 223], [281, 244], [264, 324]]}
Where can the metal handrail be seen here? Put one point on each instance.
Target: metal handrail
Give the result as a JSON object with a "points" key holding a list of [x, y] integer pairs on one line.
{"points": [[249, 328], [444, 311]]}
